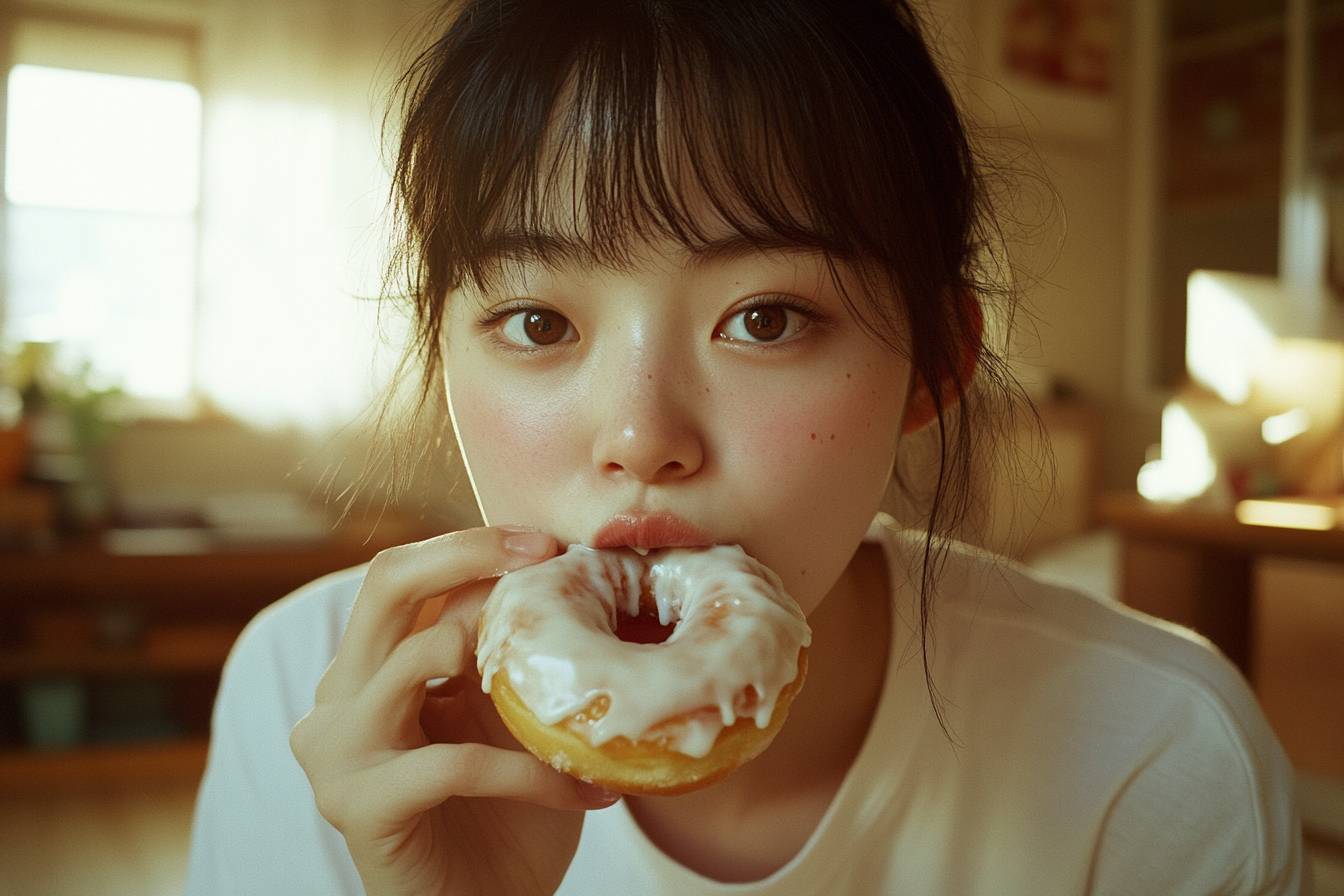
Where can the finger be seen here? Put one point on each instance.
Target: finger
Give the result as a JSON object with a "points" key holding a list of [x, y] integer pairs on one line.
{"points": [[464, 609], [400, 579], [440, 651], [418, 780]]}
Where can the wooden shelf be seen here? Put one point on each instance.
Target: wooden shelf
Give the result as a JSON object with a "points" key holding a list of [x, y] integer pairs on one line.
{"points": [[96, 767], [230, 582], [183, 611], [183, 649], [167, 578]]}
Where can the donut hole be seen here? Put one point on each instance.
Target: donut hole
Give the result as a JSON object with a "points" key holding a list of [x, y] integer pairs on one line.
{"points": [[643, 629]]}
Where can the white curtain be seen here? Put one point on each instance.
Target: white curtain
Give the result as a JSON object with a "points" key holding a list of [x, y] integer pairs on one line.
{"points": [[293, 222]]}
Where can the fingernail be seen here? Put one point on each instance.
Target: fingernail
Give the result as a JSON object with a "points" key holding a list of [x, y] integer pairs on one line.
{"points": [[595, 795], [517, 528], [529, 544]]}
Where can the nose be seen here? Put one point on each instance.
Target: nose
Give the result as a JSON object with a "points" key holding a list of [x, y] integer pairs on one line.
{"points": [[648, 427]]}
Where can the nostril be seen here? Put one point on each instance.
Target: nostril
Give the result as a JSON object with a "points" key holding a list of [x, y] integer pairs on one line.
{"points": [[671, 470], [664, 447]]}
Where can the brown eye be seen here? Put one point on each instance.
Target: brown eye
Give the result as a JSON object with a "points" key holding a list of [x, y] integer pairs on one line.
{"points": [[543, 327], [528, 328], [765, 323]]}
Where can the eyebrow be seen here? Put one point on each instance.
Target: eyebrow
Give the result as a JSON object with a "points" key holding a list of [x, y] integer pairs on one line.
{"points": [[556, 250]]}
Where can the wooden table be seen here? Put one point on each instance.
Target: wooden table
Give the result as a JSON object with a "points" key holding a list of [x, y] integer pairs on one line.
{"points": [[1195, 567]]}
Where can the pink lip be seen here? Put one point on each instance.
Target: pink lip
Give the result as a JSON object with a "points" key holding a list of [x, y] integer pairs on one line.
{"points": [[649, 531]]}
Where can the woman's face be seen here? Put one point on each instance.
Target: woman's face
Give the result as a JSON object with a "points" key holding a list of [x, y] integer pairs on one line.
{"points": [[655, 389]]}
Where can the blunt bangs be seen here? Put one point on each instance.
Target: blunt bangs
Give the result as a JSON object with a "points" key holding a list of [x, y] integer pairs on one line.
{"points": [[621, 124]]}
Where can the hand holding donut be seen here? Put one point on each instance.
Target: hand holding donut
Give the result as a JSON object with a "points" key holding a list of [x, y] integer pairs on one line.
{"points": [[644, 718], [431, 793]]}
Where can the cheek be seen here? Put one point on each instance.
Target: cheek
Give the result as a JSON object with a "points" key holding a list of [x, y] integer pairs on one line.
{"points": [[510, 440], [815, 467], [828, 423]]}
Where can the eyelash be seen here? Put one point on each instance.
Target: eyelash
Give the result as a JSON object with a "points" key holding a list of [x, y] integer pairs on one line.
{"points": [[810, 312]]}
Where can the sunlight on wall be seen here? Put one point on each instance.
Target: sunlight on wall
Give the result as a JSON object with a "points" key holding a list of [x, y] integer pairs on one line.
{"points": [[1225, 339], [1307, 374]]}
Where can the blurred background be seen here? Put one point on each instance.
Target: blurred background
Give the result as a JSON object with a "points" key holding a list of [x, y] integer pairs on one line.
{"points": [[193, 232]]}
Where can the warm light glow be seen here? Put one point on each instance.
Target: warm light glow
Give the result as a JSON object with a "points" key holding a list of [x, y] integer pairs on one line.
{"points": [[101, 173], [1186, 469], [1281, 427], [1158, 482], [1225, 339], [146, 133], [1285, 514]]}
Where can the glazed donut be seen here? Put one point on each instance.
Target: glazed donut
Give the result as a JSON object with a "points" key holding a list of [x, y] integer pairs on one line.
{"points": [[643, 718]]}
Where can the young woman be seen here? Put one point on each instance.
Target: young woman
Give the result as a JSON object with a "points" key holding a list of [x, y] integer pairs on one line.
{"points": [[719, 261]]}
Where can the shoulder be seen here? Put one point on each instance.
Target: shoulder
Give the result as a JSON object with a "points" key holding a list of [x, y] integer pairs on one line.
{"points": [[1136, 723], [989, 609], [255, 827], [287, 646], [318, 611], [1125, 662], [322, 600]]}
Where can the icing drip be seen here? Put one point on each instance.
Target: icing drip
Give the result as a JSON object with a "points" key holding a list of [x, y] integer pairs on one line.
{"points": [[551, 628]]}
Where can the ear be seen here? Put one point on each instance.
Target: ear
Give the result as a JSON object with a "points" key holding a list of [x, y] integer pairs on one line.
{"points": [[919, 408]]}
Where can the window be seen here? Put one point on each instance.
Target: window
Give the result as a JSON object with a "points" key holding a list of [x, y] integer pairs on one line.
{"points": [[101, 187]]}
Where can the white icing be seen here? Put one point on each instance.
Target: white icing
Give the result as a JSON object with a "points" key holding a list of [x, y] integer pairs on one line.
{"points": [[551, 628]]}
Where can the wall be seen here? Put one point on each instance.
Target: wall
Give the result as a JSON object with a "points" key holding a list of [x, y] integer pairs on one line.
{"points": [[1072, 247]]}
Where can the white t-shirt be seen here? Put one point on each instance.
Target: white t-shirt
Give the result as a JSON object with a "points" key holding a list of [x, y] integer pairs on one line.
{"points": [[1101, 751]]}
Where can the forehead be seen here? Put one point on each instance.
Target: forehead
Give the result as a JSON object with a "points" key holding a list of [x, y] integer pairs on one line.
{"points": [[603, 191]]}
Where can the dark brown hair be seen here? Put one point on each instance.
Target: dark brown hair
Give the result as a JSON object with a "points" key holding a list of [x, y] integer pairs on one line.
{"points": [[816, 123]]}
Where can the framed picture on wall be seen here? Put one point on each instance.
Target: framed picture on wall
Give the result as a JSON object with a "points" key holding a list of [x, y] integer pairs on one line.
{"points": [[1055, 64]]}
